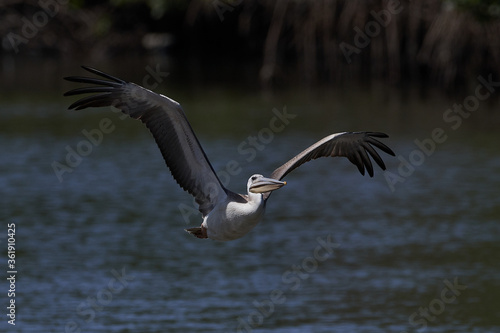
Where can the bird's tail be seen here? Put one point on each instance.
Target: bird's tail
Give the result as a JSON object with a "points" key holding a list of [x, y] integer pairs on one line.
{"points": [[198, 232]]}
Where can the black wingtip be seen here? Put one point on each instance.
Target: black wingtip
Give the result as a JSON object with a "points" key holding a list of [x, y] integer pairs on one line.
{"points": [[371, 140], [96, 72], [379, 144], [103, 86], [377, 134]]}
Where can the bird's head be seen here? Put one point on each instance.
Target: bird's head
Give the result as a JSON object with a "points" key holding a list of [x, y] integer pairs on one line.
{"points": [[261, 184]]}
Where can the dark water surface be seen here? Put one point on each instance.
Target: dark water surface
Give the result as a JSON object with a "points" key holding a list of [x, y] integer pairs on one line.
{"points": [[102, 247]]}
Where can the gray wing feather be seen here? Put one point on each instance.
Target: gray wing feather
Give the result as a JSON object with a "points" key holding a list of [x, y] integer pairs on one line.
{"points": [[356, 146], [169, 126]]}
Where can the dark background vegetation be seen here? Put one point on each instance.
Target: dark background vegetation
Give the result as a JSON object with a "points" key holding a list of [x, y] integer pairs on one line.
{"points": [[441, 44]]}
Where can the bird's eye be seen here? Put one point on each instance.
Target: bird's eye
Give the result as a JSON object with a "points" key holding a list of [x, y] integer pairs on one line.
{"points": [[254, 177]]}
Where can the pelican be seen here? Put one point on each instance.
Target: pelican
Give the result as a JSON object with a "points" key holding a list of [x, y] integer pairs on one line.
{"points": [[226, 215]]}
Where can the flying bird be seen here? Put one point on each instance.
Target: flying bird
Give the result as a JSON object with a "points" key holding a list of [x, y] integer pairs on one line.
{"points": [[226, 214]]}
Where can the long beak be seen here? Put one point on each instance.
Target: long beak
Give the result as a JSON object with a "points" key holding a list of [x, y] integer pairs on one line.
{"points": [[266, 185]]}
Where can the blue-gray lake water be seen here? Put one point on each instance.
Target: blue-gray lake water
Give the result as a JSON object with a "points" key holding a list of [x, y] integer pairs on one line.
{"points": [[101, 247]]}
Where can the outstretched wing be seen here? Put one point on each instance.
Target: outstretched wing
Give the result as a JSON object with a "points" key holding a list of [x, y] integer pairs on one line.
{"points": [[167, 122], [356, 146]]}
